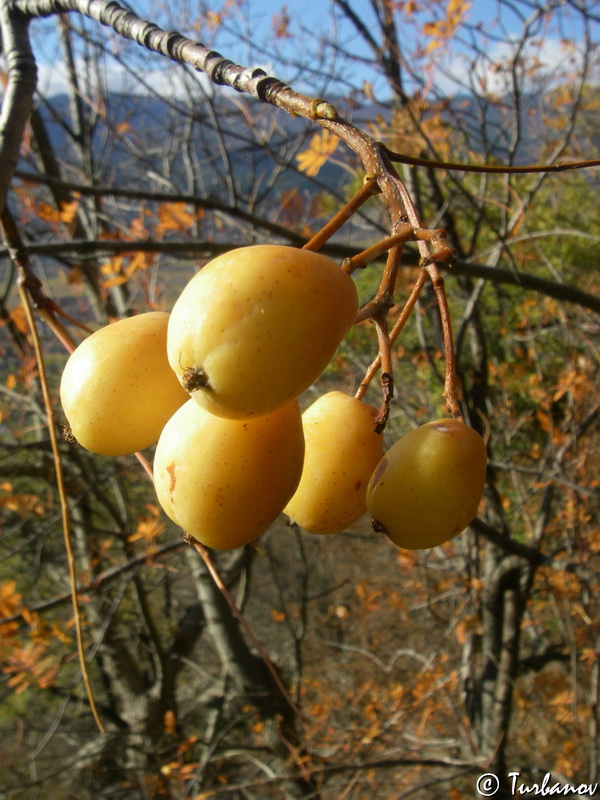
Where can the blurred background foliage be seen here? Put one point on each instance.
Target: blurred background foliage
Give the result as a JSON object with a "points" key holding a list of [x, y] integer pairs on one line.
{"points": [[403, 673]]}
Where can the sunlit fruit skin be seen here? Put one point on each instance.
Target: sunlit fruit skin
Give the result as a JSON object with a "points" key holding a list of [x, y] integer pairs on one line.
{"points": [[225, 481], [256, 327], [342, 450], [117, 389], [427, 487]]}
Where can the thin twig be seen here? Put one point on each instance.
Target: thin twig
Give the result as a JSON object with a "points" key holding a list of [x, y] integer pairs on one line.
{"points": [[450, 381], [100, 581], [145, 464], [25, 280], [431, 163], [360, 260], [204, 555], [394, 333], [64, 506], [367, 190], [387, 373]]}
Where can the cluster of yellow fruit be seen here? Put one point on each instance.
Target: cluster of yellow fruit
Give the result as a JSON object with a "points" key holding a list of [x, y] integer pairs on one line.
{"points": [[215, 384]]}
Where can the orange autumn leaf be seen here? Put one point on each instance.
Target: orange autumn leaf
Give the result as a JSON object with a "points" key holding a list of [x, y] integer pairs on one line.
{"points": [[369, 597], [321, 147], [25, 504], [18, 318], [30, 664], [65, 214], [118, 280], [281, 24], [148, 528], [175, 217], [10, 604], [170, 722], [140, 261], [442, 30]]}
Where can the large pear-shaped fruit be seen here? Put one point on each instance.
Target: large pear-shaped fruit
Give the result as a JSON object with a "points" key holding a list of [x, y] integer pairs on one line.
{"points": [[117, 388], [224, 481], [256, 327], [427, 487], [342, 450]]}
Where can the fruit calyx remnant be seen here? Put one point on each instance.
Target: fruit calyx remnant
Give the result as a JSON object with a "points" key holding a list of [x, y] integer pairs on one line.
{"points": [[378, 527], [67, 434], [194, 378]]}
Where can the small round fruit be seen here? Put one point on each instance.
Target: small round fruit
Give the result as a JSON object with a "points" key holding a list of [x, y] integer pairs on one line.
{"points": [[225, 481], [256, 327], [117, 389], [427, 487], [342, 450]]}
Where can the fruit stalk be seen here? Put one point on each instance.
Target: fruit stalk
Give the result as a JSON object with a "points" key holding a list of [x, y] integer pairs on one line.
{"points": [[394, 333], [450, 393], [367, 190]]}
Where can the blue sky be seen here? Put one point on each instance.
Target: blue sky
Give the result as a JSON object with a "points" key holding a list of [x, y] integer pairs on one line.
{"points": [[315, 15]]}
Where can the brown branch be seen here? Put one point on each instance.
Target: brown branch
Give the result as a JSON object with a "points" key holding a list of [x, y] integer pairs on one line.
{"points": [[205, 556], [195, 248], [387, 373], [17, 102], [254, 82], [451, 389], [405, 233], [431, 163], [173, 45], [163, 197], [559, 291], [394, 333], [360, 260], [367, 190], [103, 579]]}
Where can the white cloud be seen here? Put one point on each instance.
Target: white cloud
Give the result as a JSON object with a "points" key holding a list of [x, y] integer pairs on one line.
{"points": [[543, 62], [170, 80]]}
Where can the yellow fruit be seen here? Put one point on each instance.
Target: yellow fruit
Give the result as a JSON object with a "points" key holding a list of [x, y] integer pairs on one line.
{"points": [[256, 327], [342, 450], [117, 388], [224, 481], [427, 487]]}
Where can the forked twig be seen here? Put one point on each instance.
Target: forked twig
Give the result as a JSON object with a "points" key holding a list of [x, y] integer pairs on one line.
{"points": [[404, 233], [394, 333]]}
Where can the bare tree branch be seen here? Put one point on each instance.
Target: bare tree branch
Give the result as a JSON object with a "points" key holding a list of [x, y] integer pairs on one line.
{"points": [[18, 97]]}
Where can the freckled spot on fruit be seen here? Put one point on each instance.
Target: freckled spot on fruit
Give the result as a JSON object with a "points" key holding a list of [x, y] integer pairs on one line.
{"points": [[357, 485], [379, 470], [172, 476]]}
